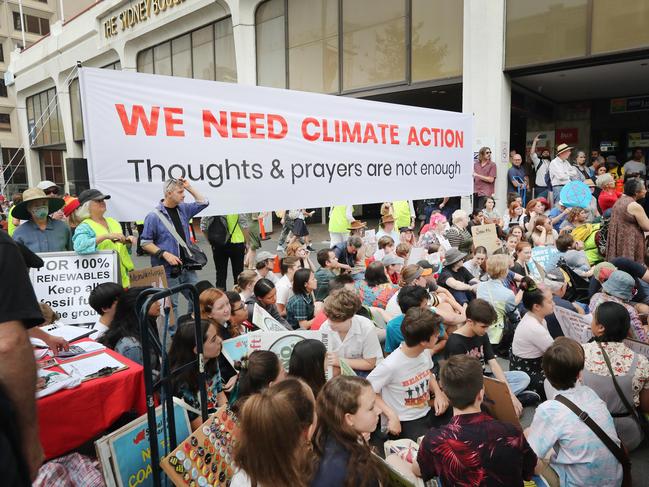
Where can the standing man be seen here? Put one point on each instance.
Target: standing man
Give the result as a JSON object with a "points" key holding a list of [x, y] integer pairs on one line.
{"points": [[561, 171], [158, 242], [636, 166], [404, 213], [484, 178], [20, 447], [339, 219], [517, 179], [41, 233], [541, 166], [233, 250]]}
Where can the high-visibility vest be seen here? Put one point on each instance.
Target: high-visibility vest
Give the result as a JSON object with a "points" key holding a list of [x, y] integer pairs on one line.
{"points": [[125, 261], [234, 229], [338, 220], [11, 228], [401, 213]]}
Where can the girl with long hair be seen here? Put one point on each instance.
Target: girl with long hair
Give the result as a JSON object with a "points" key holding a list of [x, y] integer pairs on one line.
{"points": [[259, 370], [308, 363], [347, 415], [215, 306], [265, 295], [301, 307], [185, 384], [245, 283], [276, 426]]}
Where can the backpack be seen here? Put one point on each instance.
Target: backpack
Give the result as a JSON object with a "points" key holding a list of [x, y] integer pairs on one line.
{"points": [[601, 237], [548, 179], [218, 233]]}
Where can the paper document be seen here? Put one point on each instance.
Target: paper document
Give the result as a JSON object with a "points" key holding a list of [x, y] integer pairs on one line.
{"points": [[85, 367], [54, 381], [69, 332]]}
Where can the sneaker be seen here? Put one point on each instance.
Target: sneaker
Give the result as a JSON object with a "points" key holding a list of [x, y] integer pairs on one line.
{"points": [[529, 398]]}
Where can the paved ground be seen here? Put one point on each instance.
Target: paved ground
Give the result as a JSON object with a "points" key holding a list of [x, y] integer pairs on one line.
{"points": [[320, 238]]}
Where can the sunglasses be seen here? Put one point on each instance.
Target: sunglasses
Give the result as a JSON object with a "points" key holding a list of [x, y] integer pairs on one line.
{"points": [[488, 152], [51, 191]]}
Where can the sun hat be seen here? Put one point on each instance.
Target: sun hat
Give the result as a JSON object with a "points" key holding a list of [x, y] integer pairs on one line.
{"points": [[391, 259], [35, 194], [356, 225], [603, 271], [563, 148], [620, 285], [604, 179], [263, 255], [453, 255], [387, 219], [92, 195]]}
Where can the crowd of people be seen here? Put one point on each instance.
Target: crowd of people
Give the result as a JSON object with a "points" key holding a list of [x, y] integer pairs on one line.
{"points": [[419, 334]]}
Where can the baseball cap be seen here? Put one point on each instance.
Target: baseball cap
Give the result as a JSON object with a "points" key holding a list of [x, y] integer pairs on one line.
{"points": [[46, 185], [263, 255], [92, 195], [392, 259]]}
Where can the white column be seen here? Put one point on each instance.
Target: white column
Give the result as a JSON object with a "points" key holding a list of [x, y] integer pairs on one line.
{"points": [[486, 90], [31, 161], [243, 30]]}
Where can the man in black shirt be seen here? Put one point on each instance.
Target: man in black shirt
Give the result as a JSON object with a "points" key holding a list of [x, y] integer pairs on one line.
{"points": [[20, 450]]}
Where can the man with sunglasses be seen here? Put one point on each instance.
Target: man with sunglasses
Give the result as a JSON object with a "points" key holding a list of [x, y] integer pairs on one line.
{"points": [[51, 190], [484, 179]]}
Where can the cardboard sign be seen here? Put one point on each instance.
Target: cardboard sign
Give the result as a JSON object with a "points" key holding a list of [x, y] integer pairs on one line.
{"points": [[125, 454], [67, 278], [574, 325], [638, 347], [264, 321], [154, 277], [235, 348], [282, 342], [486, 236], [417, 254], [498, 401]]}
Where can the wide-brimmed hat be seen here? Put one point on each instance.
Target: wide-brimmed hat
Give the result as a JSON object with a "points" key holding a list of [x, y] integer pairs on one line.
{"points": [[563, 148], [92, 195], [391, 259], [356, 225], [620, 285], [453, 255], [35, 194], [387, 219]]}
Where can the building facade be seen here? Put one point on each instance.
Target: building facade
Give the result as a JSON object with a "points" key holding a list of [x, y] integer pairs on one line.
{"points": [[571, 69]]}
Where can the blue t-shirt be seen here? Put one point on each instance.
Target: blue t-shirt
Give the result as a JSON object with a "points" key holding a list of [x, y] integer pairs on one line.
{"points": [[556, 211], [394, 337], [515, 172]]}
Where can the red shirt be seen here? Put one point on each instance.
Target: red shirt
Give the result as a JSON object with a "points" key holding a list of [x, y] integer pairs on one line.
{"points": [[318, 320], [480, 187], [606, 200]]}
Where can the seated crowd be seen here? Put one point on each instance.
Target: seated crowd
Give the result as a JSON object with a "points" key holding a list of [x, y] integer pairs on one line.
{"points": [[420, 337]]}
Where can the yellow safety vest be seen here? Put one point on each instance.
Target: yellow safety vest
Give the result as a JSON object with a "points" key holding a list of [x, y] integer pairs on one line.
{"points": [[125, 262], [234, 229], [401, 213], [11, 228], [338, 220]]}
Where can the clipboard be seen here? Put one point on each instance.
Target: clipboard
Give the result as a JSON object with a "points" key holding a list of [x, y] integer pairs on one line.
{"points": [[498, 402], [93, 367]]}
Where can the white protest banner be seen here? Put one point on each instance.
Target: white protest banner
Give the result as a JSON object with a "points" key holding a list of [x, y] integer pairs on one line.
{"points": [[264, 321], [282, 342], [638, 347], [574, 325], [66, 279], [243, 146], [486, 236]]}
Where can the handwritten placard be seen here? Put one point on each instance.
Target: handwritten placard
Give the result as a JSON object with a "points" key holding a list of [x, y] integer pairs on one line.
{"points": [[574, 325], [486, 236]]}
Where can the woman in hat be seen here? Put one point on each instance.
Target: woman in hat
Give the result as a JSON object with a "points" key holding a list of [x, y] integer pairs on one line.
{"points": [[458, 235], [628, 224], [620, 288], [433, 233], [41, 233], [607, 196], [99, 232], [407, 235], [456, 278], [387, 228], [357, 227]]}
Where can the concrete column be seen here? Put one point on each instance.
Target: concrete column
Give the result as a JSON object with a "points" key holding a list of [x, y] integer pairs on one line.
{"points": [[32, 162], [486, 90], [243, 29]]}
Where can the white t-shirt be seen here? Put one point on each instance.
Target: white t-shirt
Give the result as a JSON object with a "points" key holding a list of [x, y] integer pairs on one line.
{"points": [[541, 169], [392, 308], [284, 290], [361, 340], [240, 479], [632, 166], [531, 338], [271, 276], [403, 383], [100, 329]]}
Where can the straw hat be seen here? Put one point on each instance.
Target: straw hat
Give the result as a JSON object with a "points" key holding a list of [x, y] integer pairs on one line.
{"points": [[21, 212], [563, 148]]}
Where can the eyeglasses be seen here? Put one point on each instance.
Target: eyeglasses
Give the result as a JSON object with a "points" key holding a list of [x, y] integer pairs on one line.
{"points": [[488, 152], [51, 191], [234, 310]]}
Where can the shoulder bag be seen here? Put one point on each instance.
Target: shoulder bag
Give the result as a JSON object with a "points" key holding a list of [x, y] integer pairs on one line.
{"points": [[617, 451], [637, 416], [196, 258]]}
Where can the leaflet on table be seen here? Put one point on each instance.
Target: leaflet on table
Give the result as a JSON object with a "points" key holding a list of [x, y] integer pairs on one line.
{"points": [[85, 367], [69, 332], [264, 321], [54, 381], [235, 348], [574, 325]]}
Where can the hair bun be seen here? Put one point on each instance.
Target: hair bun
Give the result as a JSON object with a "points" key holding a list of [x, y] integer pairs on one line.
{"points": [[528, 285], [242, 364]]}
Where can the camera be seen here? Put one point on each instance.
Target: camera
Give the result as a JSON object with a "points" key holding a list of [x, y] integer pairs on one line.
{"points": [[192, 267], [176, 270]]}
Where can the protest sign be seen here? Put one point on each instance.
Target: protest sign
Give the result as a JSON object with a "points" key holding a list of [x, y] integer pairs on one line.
{"points": [[125, 454], [264, 321], [417, 254], [574, 325], [235, 348], [638, 347], [243, 146], [546, 257], [154, 277], [282, 342], [67, 278], [498, 401], [486, 236]]}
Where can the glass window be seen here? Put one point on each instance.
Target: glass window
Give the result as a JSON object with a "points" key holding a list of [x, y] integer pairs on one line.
{"points": [[617, 28], [17, 23], [145, 61], [181, 56], [75, 108], [5, 123], [52, 166], [3, 87], [313, 45], [55, 134], [15, 170], [45, 26], [32, 24], [44, 119], [203, 53], [162, 59], [30, 119], [538, 31], [2, 54], [374, 43], [271, 55], [437, 29], [226, 64]]}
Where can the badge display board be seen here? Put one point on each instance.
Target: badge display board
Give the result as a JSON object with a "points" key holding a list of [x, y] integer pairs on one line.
{"points": [[205, 458]]}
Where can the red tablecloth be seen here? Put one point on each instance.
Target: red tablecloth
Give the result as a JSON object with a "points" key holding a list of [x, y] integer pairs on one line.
{"points": [[69, 418]]}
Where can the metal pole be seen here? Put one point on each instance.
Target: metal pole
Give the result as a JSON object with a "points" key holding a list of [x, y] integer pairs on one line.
{"points": [[2, 170], [22, 22], [61, 8]]}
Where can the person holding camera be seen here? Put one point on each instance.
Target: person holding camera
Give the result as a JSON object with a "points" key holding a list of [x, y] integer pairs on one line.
{"points": [[158, 237]]}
